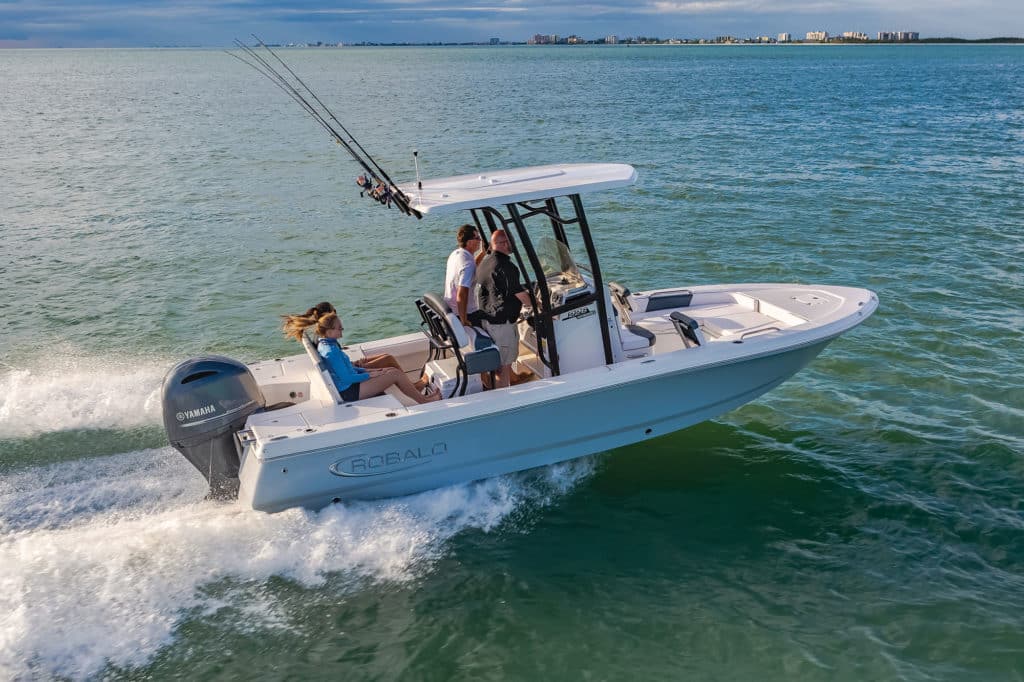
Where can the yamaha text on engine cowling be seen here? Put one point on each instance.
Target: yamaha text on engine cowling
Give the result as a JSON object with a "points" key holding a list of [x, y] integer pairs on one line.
{"points": [[206, 401]]}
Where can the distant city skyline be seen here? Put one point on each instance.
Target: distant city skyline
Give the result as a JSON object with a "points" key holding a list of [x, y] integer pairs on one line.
{"points": [[129, 23]]}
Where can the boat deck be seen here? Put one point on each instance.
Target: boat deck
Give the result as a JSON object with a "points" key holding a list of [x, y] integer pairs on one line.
{"points": [[741, 315], [734, 316], [311, 417]]}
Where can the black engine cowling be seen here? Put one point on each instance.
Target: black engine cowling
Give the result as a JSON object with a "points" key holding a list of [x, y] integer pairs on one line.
{"points": [[206, 400]]}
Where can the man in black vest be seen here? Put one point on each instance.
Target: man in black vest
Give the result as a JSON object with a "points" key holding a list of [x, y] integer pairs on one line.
{"points": [[501, 296]]}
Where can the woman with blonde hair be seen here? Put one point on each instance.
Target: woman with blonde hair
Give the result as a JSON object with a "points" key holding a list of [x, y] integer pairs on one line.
{"points": [[378, 361], [353, 383]]}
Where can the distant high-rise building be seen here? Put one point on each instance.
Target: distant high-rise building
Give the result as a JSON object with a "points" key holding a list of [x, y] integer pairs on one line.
{"points": [[785, 38], [495, 41], [819, 36], [855, 35], [611, 40], [899, 36]]}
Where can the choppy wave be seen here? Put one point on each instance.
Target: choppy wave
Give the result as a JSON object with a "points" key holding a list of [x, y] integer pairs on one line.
{"points": [[861, 522], [79, 393], [103, 558]]}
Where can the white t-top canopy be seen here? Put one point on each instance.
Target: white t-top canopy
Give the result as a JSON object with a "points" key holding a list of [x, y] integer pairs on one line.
{"points": [[498, 188]]}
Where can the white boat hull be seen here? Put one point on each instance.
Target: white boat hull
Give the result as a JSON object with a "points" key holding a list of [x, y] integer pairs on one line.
{"points": [[518, 435]]}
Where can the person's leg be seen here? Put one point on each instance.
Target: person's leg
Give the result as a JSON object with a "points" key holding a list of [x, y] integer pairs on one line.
{"points": [[377, 362], [521, 377], [384, 360], [506, 338], [408, 388], [376, 385]]}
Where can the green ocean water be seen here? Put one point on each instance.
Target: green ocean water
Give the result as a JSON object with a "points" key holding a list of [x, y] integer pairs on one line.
{"points": [[863, 521]]}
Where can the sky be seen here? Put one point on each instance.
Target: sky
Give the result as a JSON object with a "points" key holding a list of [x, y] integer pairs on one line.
{"points": [[131, 23]]}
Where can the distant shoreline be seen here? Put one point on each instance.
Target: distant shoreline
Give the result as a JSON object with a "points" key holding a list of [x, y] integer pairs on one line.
{"points": [[695, 42], [664, 43]]}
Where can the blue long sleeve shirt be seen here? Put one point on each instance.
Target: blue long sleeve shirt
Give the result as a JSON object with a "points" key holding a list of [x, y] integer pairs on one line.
{"points": [[339, 366]]}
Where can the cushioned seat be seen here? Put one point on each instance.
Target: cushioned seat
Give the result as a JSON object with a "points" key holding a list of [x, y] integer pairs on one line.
{"points": [[321, 367], [635, 337], [446, 335]]}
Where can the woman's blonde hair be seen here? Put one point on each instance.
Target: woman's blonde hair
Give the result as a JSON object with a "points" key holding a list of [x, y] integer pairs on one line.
{"points": [[295, 325]]}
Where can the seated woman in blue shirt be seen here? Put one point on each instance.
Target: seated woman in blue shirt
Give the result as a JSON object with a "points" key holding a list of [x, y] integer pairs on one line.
{"points": [[378, 361], [353, 383]]}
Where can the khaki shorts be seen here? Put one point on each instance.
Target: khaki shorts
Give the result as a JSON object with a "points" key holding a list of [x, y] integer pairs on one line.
{"points": [[506, 338]]}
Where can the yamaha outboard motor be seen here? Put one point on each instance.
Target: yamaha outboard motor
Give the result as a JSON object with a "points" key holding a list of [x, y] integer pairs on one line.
{"points": [[206, 400]]}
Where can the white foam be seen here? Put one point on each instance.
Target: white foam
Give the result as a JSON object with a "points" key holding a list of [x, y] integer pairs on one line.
{"points": [[79, 393], [103, 557]]}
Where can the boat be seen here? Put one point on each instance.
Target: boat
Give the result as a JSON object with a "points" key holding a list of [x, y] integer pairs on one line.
{"points": [[605, 366]]}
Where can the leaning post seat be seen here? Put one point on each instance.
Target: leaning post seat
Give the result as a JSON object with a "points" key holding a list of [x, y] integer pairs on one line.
{"points": [[321, 366], [446, 335]]}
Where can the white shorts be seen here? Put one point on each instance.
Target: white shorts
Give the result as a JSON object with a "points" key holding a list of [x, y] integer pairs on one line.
{"points": [[506, 338]]}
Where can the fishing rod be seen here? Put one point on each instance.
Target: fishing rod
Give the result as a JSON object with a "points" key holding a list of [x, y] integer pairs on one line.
{"points": [[275, 77], [283, 88], [386, 191], [392, 193], [267, 70], [329, 112]]}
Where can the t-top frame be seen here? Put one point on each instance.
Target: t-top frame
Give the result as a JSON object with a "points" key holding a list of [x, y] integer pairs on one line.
{"points": [[515, 221]]}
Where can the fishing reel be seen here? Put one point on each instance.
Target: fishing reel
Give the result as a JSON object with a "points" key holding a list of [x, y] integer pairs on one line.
{"points": [[385, 194], [381, 193], [364, 185]]}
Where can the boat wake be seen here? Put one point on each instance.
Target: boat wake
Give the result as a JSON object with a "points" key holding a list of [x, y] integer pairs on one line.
{"points": [[79, 393], [104, 557]]}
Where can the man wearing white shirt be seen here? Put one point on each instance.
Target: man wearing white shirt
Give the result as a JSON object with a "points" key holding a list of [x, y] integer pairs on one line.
{"points": [[458, 276]]}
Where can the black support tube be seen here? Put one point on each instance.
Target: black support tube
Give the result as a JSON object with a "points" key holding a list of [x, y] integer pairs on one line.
{"points": [[602, 309], [542, 317]]}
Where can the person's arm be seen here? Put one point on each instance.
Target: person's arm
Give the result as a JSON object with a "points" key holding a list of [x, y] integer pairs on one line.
{"points": [[462, 293], [517, 288], [343, 370], [462, 302]]}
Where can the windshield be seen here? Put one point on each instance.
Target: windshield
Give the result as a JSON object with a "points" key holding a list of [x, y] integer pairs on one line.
{"points": [[557, 261]]}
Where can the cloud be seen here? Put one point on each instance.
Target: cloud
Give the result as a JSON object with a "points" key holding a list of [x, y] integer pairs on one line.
{"points": [[380, 9], [696, 7], [741, 7]]}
